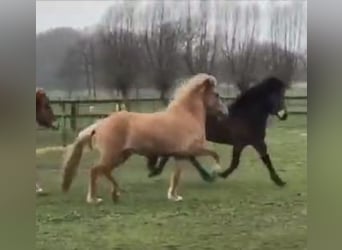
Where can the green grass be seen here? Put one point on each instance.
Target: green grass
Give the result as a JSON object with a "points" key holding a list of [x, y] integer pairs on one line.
{"points": [[246, 211]]}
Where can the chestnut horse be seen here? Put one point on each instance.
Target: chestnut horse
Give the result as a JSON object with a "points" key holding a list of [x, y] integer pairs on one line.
{"points": [[44, 114], [44, 117], [178, 131], [245, 125]]}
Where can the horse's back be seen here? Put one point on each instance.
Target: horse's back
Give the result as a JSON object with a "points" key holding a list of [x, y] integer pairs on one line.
{"points": [[120, 125]]}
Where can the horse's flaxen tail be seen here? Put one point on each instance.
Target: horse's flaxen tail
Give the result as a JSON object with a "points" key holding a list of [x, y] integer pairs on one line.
{"points": [[73, 156]]}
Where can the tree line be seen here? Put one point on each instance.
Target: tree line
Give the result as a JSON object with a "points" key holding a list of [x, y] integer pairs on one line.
{"points": [[163, 43]]}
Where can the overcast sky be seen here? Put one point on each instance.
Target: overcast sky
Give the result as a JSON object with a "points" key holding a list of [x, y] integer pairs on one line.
{"points": [[81, 14], [76, 14]]}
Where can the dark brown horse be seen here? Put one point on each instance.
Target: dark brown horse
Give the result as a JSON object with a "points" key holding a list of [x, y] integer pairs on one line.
{"points": [[245, 125], [44, 114], [44, 117]]}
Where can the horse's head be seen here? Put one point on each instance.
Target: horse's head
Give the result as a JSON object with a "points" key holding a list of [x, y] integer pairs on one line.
{"points": [[263, 99], [211, 98], [199, 91], [276, 99], [44, 114]]}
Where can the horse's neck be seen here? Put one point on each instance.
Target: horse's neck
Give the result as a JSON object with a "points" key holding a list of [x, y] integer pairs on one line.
{"points": [[37, 114], [255, 115], [195, 108]]}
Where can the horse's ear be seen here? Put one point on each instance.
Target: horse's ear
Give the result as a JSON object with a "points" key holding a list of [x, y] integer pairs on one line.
{"points": [[40, 93], [210, 82]]}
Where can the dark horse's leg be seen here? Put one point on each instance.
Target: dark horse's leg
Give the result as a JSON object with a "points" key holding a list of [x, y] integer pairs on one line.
{"points": [[152, 161], [234, 163], [261, 148], [158, 170], [203, 173]]}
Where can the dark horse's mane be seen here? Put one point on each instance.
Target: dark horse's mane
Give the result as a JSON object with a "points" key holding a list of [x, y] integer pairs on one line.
{"points": [[257, 93]]}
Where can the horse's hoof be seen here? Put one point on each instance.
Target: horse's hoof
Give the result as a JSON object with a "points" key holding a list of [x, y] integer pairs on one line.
{"points": [[151, 174], [223, 175], [210, 178], [175, 198], [217, 167], [115, 197], [281, 183], [94, 200]]}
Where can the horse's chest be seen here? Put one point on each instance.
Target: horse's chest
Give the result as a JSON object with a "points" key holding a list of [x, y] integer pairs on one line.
{"points": [[241, 132]]}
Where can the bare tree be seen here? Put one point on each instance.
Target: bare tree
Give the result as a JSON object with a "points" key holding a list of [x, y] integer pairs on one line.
{"points": [[93, 65], [80, 61], [85, 47], [120, 49], [161, 37], [240, 35], [286, 33], [70, 70], [200, 39]]}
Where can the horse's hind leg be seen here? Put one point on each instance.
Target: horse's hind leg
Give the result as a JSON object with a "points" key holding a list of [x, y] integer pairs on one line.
{"points": [[94, 174], [106, 164], [115, 187], [115, 190], [261, 148]]}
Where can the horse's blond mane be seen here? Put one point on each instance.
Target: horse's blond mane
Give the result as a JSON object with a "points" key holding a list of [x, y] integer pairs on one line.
{"points": [[188, 86]]}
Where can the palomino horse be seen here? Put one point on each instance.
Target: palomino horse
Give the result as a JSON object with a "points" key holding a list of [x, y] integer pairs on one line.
{"points": [[44, 117], [245, 125], [177, 131]]}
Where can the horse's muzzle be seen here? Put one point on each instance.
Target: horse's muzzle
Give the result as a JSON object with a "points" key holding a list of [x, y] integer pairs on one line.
{"points": [[224, 110], [282, 114]]}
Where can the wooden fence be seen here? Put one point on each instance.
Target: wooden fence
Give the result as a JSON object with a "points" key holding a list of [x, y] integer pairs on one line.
{"points": [[74, 110]]}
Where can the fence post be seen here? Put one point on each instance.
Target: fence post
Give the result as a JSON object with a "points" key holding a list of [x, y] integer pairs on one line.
{"points": [[73, 116], [64, 139]]}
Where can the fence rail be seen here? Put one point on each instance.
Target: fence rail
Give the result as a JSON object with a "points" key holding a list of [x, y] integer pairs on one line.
{"points": [[80, 109], [118, 100], [74, 115]]}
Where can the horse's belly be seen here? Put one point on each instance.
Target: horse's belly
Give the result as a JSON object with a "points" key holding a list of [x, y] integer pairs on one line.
{"points": [[154, 145], [161, 134], [160, 142]]}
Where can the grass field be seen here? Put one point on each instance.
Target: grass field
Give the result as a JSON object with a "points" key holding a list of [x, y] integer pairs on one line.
{"points": [[246, 211]]}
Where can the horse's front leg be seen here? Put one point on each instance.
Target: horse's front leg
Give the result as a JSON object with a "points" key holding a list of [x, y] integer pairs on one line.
{"points": [[261, 148], [208, 152], [151, 163], [234, 163], [172, 193], [203, 173]]}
